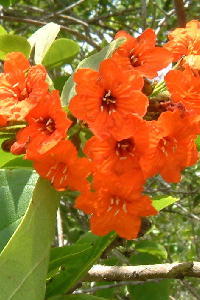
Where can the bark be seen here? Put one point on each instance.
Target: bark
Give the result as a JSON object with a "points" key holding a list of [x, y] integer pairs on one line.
{"points": [[143, 272]]}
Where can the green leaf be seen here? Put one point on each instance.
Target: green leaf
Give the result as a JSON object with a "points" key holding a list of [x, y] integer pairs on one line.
{"points": [[197, 141], [76, 297], [62, 51], [10, 161], [18, 163], [151, 248], [163, 201], [13, 43], [60, 256], [59, 82], [150, 290], [42, 40], [2, 30], [86, 252], [91, 62], [24, 260], [16, 187]]}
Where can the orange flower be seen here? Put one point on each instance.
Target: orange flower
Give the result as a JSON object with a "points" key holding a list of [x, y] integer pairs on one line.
{"points": [[47, 125], [105, 98], [184, 87], [115, 209], [140, 54], [120, 154], [171, 146], [20, 86], [185, 41], [63, 168]]}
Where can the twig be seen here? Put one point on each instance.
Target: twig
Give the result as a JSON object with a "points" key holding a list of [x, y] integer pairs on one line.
{"points": [[180, 12], [191, 289], [109, 15], [66, 8], [144, 13], [144, 272], [186, 211], [40, 23], [113, 285]]}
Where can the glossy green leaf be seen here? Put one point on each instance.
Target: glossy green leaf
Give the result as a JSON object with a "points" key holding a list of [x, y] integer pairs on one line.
{"points": [[76, 297], [62, 51], [42, 40], [84, 254], [18, 163], [16, 187], [151, 248], [2, 30], [10, 161], [60, 256], [59, 82], [163, 201], [24, 260], [150, 290], [91, 62], [13, 43]]}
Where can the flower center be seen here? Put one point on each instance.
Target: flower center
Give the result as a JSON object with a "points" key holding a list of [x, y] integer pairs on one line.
{"points": [[60, 169], [108, 102], [124, 148], [21, 94], [134, 59], [47, 125], [167, 144], [116, 204]]}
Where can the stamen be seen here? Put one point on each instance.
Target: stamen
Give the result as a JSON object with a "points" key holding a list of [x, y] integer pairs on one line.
{"points": [[16, 84], [117, 211], [65, 170], [117, 201], [109, 209], [124, 208], [52, 179]]}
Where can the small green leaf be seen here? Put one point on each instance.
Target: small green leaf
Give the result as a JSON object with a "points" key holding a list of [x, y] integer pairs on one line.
{"points": [[91, 62], [62, 51], [13, 43], [163, 201], [16, 187], [42, 40], [151, 247], [85, 253], [24, 260]]}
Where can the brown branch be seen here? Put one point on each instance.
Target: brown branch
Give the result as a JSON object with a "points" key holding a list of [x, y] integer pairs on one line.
{"points": [[79, 35], [180, 12], [144, 272]]}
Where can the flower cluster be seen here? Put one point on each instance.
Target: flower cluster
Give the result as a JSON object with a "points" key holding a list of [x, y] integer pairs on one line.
{"points": [[138, 130], [136, 135], [25, 97]]}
